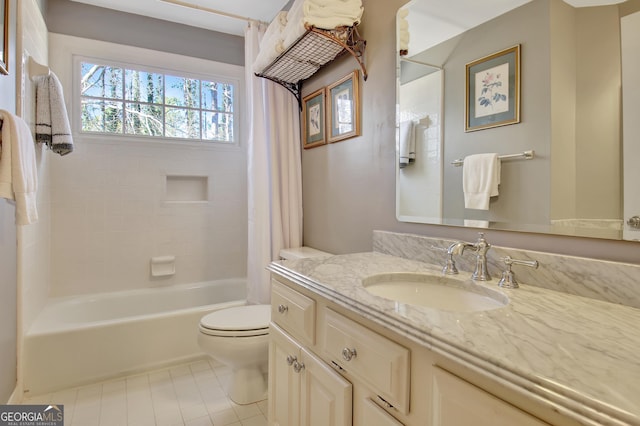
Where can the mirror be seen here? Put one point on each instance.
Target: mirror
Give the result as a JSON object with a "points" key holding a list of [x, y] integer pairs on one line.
{"points": [[575, 84]]}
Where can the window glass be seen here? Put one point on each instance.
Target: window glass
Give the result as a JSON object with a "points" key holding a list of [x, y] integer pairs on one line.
{"points": [[129, 101]]}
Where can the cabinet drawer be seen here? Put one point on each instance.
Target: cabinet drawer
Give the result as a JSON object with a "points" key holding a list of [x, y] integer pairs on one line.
{"points": [[377, 361], [294, 312]]}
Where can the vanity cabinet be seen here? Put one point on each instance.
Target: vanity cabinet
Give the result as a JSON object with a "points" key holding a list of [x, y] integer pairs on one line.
{"points": [[328, 365]]}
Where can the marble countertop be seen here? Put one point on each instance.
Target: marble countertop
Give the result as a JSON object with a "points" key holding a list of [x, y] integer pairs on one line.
{"points": [[580, 355]]}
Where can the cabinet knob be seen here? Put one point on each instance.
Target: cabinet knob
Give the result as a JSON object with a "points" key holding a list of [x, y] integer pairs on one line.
{"points": [[347, 354], [283, 308], [298, 366], [291, 359]]}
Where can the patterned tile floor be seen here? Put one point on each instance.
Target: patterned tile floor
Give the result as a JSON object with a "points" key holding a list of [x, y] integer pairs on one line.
{"points": [[186, 395]]}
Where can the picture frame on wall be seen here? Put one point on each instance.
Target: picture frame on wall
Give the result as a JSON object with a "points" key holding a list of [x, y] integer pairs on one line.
{"points": [[313, 119], [492, 90], [4, 33], [343, 106]]}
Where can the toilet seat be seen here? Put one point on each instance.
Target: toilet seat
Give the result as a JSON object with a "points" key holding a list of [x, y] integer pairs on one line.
{"points": [[241, 321]]}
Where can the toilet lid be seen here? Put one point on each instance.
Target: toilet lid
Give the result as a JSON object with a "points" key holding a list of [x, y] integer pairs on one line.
{"points": [[241, 318]]}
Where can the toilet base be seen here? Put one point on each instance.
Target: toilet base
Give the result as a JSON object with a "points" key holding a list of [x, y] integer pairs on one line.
{"points": [[246, 386]]}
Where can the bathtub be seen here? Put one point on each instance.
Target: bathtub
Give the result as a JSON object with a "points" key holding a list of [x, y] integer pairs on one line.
{"points": [[82, 339]]}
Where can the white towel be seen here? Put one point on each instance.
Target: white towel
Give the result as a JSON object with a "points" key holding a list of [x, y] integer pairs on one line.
{"points": [[271, 44], [324, 14], [18, 168], [329, 14], [52, 121], [480, 180], [407, 143]]}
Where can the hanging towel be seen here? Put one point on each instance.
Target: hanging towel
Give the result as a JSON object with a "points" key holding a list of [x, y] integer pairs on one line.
{"points": [[480, 180], [52, 122], [18, 169], [407, 143]]}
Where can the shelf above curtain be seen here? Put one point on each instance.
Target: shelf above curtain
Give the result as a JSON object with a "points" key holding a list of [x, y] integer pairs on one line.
{"points": [[313, 50]]}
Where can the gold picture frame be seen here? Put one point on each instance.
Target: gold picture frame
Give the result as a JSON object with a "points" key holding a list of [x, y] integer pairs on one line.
{"points": [[4, 32], [343, 106], [313, 119], [492, 90]]}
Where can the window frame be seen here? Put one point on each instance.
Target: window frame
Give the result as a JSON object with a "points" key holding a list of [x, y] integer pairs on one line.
{"points": [[165, 71]]}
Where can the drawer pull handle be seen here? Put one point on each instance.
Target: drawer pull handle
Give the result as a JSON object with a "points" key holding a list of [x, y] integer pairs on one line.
{"points": [[291, 359], [283, 308], [347, 354], [298, 366]]}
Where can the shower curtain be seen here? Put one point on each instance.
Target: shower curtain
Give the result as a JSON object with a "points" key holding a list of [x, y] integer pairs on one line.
{"points": [[274, 172]]}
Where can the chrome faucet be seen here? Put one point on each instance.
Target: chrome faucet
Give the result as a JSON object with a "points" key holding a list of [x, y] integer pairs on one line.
{"points": [[455, 248], [481, 246]]}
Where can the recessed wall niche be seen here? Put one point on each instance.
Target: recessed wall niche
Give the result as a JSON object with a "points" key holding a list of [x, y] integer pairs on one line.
{"points": [[186, 188]]}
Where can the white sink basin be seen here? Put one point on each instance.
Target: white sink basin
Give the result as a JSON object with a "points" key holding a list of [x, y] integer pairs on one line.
{"points": [[434, 291]]}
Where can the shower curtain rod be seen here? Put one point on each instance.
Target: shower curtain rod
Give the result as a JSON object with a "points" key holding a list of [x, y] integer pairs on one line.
{"points": [[214, 11]]}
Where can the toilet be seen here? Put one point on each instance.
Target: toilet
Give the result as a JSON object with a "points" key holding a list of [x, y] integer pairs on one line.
{"points": [[239, 338]]}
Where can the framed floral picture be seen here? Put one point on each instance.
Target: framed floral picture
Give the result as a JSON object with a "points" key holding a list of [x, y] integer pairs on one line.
{"points": [[343, 106], [4, 33], [313, 119], [492, 95]]}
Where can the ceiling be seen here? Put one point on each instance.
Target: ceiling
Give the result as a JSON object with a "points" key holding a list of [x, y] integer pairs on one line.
{"points": [[199, 13]]}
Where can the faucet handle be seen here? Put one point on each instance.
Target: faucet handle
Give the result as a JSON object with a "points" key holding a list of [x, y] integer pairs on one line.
{"points": [[482, 245], [508, 279], [449, 267]]}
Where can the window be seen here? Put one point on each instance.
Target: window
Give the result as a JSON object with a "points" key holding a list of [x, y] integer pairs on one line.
{"points": [[128, 101]]}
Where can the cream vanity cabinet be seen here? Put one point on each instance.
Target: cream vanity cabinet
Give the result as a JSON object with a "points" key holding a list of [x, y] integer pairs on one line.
{"points": [[330, 366]]}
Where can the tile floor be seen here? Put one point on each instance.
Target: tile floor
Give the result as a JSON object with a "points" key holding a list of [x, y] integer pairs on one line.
{"points": [[187, 395]]}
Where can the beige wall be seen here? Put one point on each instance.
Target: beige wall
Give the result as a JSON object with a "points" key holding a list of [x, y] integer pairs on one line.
{"points": [[349, 187]]}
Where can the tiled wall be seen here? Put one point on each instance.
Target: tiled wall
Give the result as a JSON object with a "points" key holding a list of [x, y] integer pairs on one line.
{"points": [[34, 240], [110, 211], [110, 216]]}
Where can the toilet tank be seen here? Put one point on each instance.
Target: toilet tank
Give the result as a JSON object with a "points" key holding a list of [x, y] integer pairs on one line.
{"points": [[301, 253]]}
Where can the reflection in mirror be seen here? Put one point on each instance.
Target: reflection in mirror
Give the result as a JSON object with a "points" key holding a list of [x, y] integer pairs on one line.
{"points": [[571, 101]]}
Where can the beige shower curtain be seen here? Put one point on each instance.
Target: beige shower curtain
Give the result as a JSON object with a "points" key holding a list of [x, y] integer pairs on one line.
{"points": [[274, 172]]}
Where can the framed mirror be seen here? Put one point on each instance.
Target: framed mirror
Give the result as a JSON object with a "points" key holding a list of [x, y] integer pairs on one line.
{"points": [[568, 164]]}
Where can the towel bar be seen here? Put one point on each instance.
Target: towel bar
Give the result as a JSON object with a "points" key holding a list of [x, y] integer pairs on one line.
{"points": [[527, 155], [36, 69]]}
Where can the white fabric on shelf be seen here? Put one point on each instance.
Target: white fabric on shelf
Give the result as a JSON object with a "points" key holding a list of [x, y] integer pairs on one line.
{"points": [[480, 180], [329, 14], [18, 168], [324, 14], [274, 174], [271, 43], [295, 24]]}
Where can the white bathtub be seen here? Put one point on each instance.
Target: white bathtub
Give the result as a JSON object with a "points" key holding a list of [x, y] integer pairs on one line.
{"points": [[82, 339]]}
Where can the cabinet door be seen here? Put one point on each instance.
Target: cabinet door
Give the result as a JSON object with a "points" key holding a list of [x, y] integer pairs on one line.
{"points": [[459, 403], [326, 397], [372, 415], [284, 382]]}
